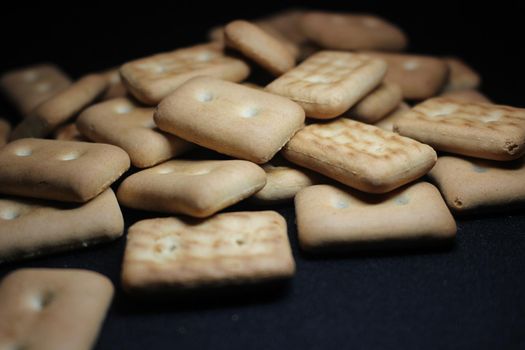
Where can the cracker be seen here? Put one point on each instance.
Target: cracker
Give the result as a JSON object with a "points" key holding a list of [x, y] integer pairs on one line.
{"points": [[461, 75], [61, 170], [475, 185], [474, 129], [5, 130], [31, 228], [336, 219], [192, 187], [344, 31], [116, 87], [256, 44], [230, 118], [61, 107], [68, 132], [152, 78], [377, 104], [328, 83], [175, 254], [28, 87], [287, 24], [122, 123], [420, 77], [359, 155], [387, 123], [467, 95], [50, 309]]}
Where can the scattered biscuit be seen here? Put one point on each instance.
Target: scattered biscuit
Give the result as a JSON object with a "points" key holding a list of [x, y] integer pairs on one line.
{"points": [[68, 132], [462, 76], [467, 95], [377, 104], [387, 123]]}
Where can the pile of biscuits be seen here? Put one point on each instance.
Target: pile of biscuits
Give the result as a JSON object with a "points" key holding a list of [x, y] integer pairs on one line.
{"points": [[347, 126]]}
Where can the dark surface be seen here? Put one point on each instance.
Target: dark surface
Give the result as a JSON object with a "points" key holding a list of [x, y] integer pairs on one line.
{"points": [[470, 296]]}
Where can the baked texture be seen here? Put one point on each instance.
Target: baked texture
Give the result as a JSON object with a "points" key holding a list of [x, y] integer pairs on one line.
{"points": [[377, 104], [387, 123]]}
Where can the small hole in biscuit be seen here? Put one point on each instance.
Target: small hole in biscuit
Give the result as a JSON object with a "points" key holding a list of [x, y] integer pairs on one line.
{"points": [[30, 76], [69, 156], [250, 112], [9, 214], [458, 202], [340, 203], [239, 241], [205, 96], [123, 109], [172, 248], [23, 152], [411, 65], [204, 57], [479, 169], [42, 301], [43, 87], [401, 200]]}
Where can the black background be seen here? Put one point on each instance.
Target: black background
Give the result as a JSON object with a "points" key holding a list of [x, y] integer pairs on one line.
{"points": [[470, 296]]}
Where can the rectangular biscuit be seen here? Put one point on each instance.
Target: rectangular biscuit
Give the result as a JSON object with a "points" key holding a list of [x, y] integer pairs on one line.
{"points": [[123, 123], [476, 185], [5, 131], [328, 83], [387, 123], [462, 77], [152, 78], [116, 87], [61, 170], [468, 95], [230, 118], [53, 309], [335, 219], [377, 104], [359, 155], [28, 87], [176, 254], [479, 130], [30, 228]]}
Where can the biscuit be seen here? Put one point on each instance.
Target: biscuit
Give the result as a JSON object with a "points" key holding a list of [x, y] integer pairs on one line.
{"points": [[192, 187], [116, 87], [122, 123], [176, 254], [230, 118], [479, 130], [287, 24], [467, 95], [334, 219], [257, 45], [5, 130], [28, 87], [60, 170], [344, 31], [68, 132], [328, 83], [474, 185], [419, 77], [51, 309], [387, 123], [377, 104], [359, 155], [32, 228], [461, 76], [60, 108], [152, 78]]}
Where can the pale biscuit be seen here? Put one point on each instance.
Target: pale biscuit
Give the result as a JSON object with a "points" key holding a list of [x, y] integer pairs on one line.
{"points": [[254, 43], [198, 188], [152, 78], [116, 87], [287, 24], [343, 31], [467, 95], [328, 83], [377, 104], [60, 108], [230, 118], [473, 185], [359, 155], [5, 130], [61, 170], [175, 254], [68, 132], [28, 87], [335, 219], [30, 228], [419, 77], [479, 130], [51, 309], [387, 123], [122, 123], [461, 75]]}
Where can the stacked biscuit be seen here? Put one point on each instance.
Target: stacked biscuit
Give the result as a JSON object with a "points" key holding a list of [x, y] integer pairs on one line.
{"points": [[333, 131]]}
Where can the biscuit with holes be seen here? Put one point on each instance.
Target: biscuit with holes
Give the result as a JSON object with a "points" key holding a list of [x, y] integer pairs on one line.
{"points": [[68, 132], [152, 78], [60, 108], [230, 118], [257, 45], [419, 77], [328, 83], [335, 219], [61, 170], [377, 104], [479, 130], [359, 155], [387, 123], [5, 130], [198, 188], [343, 31], [28, 87], [122, 123], [50, 309], [31, 228], [176, 254], [461, 76], [476, 185], [467, 95]]}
